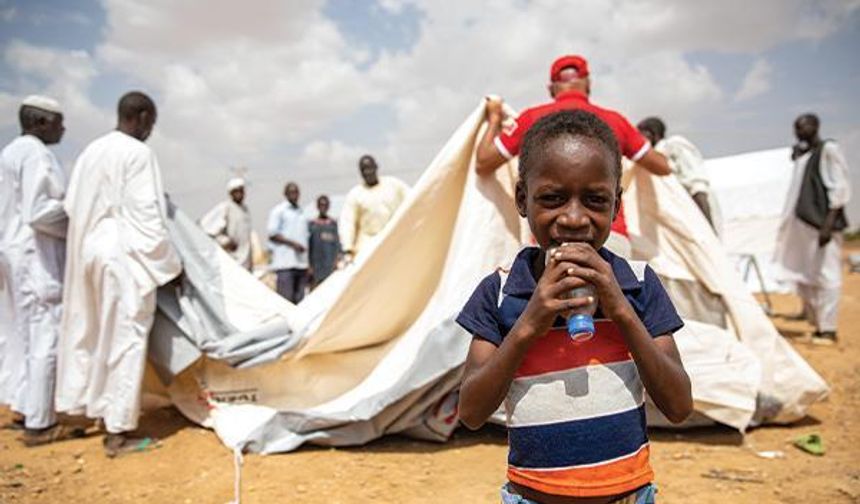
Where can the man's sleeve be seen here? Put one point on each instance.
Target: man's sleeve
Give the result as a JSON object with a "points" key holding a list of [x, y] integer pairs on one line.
{"points": [[306, 231], [146, 238], [214, 223], [404, 188], [42, 197], [402, 191], [348, 220], [687, 163], [657, 312], [509, 141], [480, 315], [273, 224], [834, 175], [698, 176]]}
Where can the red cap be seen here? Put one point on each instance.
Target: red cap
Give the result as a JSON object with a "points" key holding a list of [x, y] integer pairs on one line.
{"points": [[577, 63]]}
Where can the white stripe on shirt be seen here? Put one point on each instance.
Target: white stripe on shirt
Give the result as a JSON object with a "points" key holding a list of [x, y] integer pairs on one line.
{"points": [[575, 394]]}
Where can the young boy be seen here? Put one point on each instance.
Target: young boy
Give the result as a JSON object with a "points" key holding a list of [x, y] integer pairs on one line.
{"points": [[324, 243], [575, 410]]}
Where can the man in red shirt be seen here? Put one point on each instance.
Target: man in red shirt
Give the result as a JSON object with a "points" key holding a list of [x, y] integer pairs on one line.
{"points": [[569, 87]]}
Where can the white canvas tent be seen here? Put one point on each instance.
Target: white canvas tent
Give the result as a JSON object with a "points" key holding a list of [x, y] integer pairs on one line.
{"points": [[375, 350], [751, 190]]}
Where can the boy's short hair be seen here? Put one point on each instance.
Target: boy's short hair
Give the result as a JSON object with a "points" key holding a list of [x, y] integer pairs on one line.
{"points": [[573, 123]]}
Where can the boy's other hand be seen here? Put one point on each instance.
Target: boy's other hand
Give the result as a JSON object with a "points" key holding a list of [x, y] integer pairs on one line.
{"points": [[583, 262]]}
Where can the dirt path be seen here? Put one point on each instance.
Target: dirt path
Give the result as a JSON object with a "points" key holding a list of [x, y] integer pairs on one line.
{"points": [[193, 466]]}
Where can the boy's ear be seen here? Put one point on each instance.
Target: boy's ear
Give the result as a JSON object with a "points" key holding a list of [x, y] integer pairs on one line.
{"points": [[520, 196], [617, 203]]}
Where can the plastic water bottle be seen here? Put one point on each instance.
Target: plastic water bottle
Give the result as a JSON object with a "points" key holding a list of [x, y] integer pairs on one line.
{"points": [[580, 322]]}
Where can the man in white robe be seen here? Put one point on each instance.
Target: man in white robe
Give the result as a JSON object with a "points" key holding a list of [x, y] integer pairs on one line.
{"points": [[368, 207], [9, 219], [687, 164], [32, 258], [809, 243], [229, 223], [118, 253]]}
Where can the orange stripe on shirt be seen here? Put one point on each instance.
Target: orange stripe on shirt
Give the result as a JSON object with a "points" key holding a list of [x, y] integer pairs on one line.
{"points": [[612, 478], [557, 352]]}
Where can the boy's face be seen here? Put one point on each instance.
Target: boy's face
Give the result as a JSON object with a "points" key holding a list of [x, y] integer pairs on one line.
{"points": [[571, 193], [323, 206]]}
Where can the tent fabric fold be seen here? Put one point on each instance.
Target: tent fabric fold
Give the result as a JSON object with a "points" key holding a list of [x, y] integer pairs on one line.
{"points": [[375, 350]]}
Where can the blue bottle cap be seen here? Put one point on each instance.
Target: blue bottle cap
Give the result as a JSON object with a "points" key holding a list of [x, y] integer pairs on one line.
{"points": [[580, 326]]}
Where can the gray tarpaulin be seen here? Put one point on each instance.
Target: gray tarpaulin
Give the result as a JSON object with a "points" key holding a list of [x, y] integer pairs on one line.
{"points": [[192, 319]]}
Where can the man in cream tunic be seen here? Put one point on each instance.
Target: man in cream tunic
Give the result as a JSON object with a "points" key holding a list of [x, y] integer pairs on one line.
{"points": [[229, 223], [368, 207], [118, 253], [810, 255]]}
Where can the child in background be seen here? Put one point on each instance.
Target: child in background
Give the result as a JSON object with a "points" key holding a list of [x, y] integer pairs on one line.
{"points": [[323, 244], [575, 410]]}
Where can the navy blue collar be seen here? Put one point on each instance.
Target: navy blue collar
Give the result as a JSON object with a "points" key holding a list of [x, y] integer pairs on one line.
{"points": [[521, 279]]}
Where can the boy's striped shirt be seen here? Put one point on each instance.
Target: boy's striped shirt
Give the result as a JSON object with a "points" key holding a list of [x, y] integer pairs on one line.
{"points": [[575, 410]]}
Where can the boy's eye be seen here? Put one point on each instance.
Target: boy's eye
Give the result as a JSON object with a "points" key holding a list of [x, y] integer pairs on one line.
{"points": [[550, 198], [596, 200]]}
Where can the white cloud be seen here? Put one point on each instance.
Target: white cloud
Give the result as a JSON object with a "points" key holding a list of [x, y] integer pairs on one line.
{"points": [[233, 82], [8, 110], [756, 82], [325, 157], [73, 65], [65, 75], [731, 25]]}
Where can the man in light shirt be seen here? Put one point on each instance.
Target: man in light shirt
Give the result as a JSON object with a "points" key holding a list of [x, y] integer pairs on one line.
{"points": [[809, 243], [368, 207], [288, 236]]}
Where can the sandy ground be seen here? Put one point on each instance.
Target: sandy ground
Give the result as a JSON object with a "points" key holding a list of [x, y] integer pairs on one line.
{"points": [[191, 465]]}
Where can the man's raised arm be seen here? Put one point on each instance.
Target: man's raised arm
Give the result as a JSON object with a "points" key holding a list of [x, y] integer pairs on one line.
{"points": [[487, 157]]}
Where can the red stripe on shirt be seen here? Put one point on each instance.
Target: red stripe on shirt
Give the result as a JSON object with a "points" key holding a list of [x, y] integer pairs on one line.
{"points": [[557, 352]]}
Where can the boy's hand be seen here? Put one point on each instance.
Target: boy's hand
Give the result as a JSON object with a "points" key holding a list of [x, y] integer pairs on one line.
{"points": [[583, 262], [550, 298]]}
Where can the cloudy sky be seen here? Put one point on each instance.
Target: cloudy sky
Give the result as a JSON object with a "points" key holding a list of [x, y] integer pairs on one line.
{"points": [[298, 90]]}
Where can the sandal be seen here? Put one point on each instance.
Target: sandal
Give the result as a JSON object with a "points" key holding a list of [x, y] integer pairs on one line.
{"points": [[117, 446], [15, 425], [56, 432]]}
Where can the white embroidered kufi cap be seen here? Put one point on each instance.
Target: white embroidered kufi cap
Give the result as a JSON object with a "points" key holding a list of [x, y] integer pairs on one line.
{"points": [[43, 103], [235, 183]]}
